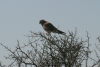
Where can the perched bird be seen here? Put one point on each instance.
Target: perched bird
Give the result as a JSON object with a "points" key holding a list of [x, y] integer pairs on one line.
{"points": [[48, 27]]}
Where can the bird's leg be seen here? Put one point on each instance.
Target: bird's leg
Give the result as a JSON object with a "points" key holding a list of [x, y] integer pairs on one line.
{"points": [[47, 34]]}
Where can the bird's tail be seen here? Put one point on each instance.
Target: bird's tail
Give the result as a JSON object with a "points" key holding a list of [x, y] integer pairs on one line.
{"points": [[60, 32]]}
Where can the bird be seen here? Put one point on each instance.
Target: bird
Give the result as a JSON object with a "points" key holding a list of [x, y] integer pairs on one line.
{"points": [[48, 27]]}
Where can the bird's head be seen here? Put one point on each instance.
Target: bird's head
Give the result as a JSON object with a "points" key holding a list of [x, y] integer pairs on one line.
{"points": [[42, 22]]}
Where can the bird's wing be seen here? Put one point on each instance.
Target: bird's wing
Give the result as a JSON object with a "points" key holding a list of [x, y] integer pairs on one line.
{"points": [[49, 27]]}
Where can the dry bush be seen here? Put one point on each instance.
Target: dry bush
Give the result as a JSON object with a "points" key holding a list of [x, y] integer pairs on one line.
{"points": [[50, 51]]}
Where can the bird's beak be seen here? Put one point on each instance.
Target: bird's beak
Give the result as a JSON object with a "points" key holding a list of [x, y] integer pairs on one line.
{"points": [[39, 22]]}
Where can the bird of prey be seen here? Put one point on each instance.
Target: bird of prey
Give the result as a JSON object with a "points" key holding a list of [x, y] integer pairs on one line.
{"points": [[48, 27]]}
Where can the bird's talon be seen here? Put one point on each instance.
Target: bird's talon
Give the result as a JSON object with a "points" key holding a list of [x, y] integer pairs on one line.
{"points": [[47, 34]]}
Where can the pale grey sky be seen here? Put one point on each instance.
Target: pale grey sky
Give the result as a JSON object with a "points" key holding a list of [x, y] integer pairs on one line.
{"points": [[18, 17]]}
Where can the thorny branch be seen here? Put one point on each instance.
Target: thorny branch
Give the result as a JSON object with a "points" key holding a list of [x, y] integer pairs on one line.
{"points": [[52, 51]]}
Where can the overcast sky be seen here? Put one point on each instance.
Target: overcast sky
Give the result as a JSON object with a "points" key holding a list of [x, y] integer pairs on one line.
{"points": [[18, 17]]}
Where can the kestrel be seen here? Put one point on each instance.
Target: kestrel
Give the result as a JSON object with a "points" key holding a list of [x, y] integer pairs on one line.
{"points": [[48, 27]]}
